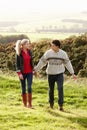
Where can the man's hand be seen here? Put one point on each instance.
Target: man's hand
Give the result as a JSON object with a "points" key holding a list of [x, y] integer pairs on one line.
{"points": [[74, 76], [35, 74]]}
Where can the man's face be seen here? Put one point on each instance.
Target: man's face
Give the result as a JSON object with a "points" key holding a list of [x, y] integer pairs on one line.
{"points": [[54, 47]]}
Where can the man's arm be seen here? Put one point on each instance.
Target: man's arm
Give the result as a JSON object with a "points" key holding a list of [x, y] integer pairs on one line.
{"points": [[41, 63], [69, 66]]}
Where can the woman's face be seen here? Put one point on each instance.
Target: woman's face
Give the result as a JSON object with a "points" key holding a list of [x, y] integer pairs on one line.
{"points": [[26, 45]]}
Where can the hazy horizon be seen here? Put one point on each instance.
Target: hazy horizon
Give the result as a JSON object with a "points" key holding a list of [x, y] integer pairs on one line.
{"points": [[29, 15]]}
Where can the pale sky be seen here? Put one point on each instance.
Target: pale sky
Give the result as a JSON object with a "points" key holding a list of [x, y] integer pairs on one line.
{"points": [[40, 12]]}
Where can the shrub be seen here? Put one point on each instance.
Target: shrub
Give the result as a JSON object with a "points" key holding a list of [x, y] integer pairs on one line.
{"points": [[10, 65]]}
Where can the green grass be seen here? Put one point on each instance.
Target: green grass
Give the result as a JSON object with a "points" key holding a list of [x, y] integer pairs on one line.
{"points": [[13, 116]]}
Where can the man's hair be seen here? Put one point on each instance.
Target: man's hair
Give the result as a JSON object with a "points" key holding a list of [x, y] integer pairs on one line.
{"points": [[56, 43]]}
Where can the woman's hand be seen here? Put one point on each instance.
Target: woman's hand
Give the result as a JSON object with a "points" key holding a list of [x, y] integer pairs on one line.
{"points": [[21, 76]]}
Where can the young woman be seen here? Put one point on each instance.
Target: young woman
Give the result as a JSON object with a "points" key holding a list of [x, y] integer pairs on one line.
{"points": [[24, 68]]}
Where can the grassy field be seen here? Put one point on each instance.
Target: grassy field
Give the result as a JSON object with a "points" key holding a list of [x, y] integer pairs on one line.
{"points": [[37, 36], [13, 116]]}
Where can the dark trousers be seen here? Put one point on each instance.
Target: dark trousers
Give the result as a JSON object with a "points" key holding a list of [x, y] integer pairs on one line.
{"points": [[51, 81], [29, 78]]}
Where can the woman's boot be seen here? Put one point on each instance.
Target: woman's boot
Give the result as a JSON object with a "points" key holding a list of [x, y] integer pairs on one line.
{"points": [[30, 100], [24, 99]]}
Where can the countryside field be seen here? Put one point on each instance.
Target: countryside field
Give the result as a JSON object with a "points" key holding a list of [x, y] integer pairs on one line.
{"points": [[37, 36], [13, 116]]}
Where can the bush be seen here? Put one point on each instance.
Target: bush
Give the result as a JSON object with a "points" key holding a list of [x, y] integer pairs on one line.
{"points": [[13, 38], [10, 65], [76, 47], [82, 73]]}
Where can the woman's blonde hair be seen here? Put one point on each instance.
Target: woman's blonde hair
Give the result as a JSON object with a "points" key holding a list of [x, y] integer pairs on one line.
{"points": [[23, 41], [18, 47], [19, 44]]}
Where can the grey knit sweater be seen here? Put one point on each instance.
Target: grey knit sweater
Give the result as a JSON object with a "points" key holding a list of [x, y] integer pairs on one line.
{"points": [[56, 62]]}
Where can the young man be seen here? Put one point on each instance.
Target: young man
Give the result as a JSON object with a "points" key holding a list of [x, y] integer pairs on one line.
{"points": [[56, 60]]}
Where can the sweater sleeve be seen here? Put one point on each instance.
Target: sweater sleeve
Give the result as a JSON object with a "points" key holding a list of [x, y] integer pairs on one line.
{"points": [[19, 73], [41, 63], [68, 64]]}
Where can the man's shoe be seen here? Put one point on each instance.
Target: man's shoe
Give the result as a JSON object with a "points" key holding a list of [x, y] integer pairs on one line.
{"points": [[61, 108], [51, 105]]}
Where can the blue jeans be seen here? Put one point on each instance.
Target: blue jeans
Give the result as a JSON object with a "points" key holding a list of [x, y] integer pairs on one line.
{"points": [[51, 81], [29, 78]]}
